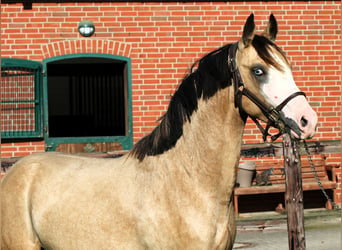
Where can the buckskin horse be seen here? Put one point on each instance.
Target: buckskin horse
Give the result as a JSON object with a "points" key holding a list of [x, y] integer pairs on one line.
{"points": [[173, 189]]}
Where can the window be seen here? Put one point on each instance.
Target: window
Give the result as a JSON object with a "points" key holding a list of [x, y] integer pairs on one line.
{"points": [[88, 99], [21, 99]]}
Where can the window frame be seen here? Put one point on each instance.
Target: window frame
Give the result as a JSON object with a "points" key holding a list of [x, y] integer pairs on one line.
{"points": [[36, 67], [51, 143]]}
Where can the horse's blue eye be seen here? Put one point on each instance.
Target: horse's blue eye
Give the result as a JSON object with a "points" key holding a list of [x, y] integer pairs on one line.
{"points": [[258, 72]]}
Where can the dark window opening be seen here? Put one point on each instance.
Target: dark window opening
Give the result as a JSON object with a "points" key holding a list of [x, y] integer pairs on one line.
{"points": [[87, 97]]}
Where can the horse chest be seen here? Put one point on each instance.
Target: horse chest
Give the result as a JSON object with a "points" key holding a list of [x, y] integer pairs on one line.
{"points": [[190, 229]]}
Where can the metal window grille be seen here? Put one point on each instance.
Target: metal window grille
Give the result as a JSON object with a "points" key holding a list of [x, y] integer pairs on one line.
{"points": [[21, 109]]}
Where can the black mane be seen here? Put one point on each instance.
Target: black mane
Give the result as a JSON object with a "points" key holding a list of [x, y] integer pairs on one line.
{"points": [[211, 75]]}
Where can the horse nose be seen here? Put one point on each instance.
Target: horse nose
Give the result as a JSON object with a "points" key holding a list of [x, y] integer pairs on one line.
{"points": [[308, 124]]}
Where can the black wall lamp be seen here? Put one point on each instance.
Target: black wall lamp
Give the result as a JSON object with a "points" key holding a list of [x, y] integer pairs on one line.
{"points": [[86, 28]]}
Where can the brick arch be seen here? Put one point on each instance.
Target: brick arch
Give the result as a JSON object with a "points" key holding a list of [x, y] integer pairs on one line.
{"points": [[86, 46]]}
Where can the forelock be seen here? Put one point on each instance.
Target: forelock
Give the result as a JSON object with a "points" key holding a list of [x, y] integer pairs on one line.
{"points": [[263, 47]]}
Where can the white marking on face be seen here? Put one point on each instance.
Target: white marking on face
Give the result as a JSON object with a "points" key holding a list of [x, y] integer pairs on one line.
{"points": [[280, 85]]}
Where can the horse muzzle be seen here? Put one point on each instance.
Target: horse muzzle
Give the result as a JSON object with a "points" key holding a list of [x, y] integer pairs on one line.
{"points": [[308, 125], [304, 128]]}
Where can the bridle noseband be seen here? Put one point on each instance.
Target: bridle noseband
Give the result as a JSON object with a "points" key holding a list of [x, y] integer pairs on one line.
{"points": [[274, 115]]}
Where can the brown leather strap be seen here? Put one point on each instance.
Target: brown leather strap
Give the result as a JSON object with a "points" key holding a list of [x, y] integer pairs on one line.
{"points": [[282, 105]]}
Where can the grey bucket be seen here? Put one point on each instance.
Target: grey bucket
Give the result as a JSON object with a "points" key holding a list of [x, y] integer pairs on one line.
{"points": [[246, 173]]}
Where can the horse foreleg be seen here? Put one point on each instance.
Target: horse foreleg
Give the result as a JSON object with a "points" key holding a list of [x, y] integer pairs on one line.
{"points": [[231, 226]]}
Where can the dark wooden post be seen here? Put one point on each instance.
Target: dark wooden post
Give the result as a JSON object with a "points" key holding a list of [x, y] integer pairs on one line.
{"points": [[293, 194]]}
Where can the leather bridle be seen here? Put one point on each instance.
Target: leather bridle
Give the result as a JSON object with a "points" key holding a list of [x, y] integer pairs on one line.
{"points": [[274, 115]]}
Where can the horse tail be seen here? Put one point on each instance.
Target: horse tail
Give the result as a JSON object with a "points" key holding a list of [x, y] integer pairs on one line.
{"points": [[16, 222]]}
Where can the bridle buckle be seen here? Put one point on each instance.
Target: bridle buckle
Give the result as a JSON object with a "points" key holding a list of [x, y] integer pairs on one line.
{"points": [[232, 64], [274, 115]]}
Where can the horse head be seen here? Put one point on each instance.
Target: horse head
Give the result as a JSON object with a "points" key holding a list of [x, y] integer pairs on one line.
{"points": [[264, 84]]}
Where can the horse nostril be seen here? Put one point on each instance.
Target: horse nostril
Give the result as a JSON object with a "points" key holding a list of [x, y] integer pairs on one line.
{"points": [[303, 122]]}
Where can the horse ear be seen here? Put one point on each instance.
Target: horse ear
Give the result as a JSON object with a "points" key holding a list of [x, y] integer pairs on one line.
{"points": [[248, 32], [271, 29]]}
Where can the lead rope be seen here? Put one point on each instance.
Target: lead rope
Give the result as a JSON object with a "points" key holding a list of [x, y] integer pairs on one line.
{"points": [[313, 170]]}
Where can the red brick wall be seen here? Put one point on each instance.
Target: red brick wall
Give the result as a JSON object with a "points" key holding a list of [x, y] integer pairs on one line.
{"points": [[164, 39], [19, 149]]}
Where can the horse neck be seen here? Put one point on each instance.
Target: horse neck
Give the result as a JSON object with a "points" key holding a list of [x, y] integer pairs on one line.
{"points": [[210, 146]]}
